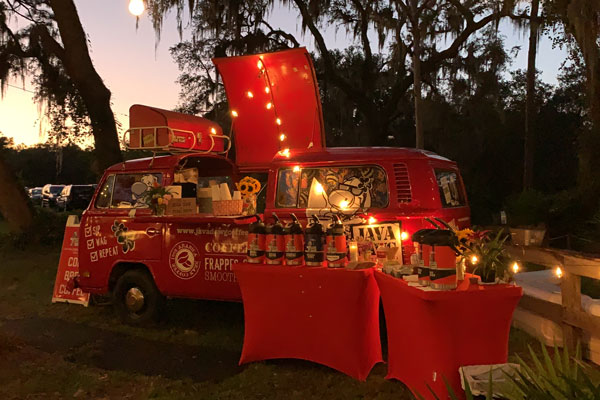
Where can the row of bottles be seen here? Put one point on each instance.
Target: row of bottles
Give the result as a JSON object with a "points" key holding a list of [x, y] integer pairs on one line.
{"points": [[277, 244]]}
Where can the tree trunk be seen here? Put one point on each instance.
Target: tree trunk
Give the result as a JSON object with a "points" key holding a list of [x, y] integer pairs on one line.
{"points": [[96, 96], [416, 61], [530, 108], [14, 204]]}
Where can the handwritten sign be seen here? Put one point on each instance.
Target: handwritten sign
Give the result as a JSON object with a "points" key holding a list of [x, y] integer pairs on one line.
{"points": [[68, 267]]}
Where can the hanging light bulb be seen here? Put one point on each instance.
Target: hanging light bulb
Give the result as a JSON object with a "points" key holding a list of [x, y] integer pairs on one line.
{"points": [[278, 121], [371, 220], [249, 94], [136, 7], [213, 131], [296, 168], [234, 114], [474, 259], [269, 106], [282, 137], [403, 235], [259, 64], [267, 90]]}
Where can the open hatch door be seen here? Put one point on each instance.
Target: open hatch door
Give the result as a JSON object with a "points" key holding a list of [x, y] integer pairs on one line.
{"points": [[275, 104]]}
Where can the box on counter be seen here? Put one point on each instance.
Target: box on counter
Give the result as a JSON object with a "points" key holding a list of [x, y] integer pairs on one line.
{"points": [[181, 206]]}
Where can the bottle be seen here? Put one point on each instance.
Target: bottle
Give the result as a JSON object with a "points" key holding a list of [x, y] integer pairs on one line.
{"points": [[256, 242], [336, 244], [294, 243], [275, 242], [314, 239]]}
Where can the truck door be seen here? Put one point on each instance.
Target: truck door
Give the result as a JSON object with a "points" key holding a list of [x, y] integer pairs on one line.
{"points": [[112, 231]]}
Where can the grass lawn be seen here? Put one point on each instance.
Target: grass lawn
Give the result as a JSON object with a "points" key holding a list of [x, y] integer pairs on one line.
{"points": [[54, 351]]}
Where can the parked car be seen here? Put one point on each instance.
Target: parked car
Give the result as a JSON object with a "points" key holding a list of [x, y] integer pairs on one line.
{"points": [[50, 194], [35, 194], [75, 197]]}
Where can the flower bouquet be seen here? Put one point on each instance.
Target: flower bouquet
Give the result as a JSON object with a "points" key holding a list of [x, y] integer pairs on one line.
{"points": [[157, 198]]}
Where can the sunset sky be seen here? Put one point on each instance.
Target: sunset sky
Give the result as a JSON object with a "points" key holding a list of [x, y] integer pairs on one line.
{"points": [[135, 73]]}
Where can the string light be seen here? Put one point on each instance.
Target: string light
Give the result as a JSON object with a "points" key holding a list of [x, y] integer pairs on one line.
{"points": [[234, 114], [559, 273], [474, 259], [515, 267], [259, 64], [213, 131], [269, 106], [249, 94], [278, 121], [267, 90], [403, 235], [296, 168], [372, 220], [285, 153], [282, 137]]}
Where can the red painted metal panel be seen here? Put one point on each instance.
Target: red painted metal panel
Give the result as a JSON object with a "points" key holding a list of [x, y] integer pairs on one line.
{"points": [[263, 88]]}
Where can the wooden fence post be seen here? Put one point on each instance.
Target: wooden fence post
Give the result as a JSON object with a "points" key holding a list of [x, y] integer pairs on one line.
{"points": [[570, 287]]}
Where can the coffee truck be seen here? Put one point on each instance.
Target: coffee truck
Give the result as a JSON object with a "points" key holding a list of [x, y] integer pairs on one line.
{"points": [[381, 193]]}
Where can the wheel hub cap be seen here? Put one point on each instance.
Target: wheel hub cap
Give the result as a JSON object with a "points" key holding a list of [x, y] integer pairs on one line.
{"points": [[134, 299]]}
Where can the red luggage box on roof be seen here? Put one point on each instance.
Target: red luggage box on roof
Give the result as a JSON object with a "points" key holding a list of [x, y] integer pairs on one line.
{"points": [[152, 128]]}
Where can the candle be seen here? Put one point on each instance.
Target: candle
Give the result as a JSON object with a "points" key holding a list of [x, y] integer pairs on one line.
{"points": [[353, 246]]}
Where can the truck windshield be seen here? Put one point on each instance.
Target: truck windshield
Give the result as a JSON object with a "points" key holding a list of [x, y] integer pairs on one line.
{"points": [[332, 187]]}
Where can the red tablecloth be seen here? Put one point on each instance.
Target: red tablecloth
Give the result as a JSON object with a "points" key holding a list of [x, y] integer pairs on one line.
{"points": [[432, 333], [328, 316]]}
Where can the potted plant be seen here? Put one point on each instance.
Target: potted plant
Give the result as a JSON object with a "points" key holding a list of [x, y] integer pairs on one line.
{"points": [[157, 198], [486, 255]]}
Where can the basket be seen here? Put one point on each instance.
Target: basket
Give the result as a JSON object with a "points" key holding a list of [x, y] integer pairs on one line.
{"points": [[227, 207]]}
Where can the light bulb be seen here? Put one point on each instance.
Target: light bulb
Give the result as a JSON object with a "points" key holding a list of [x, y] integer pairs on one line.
{"points": [[296, 168], [282, 137], [474, 259], [249, 94], [285, 153], [515, 267], [318, 188], [234, 113], [278, 121], [136, 7], [403, 235], [259, 64], [559, 273], [267, 90], [371, 220], [269, 106], [213, 131]]}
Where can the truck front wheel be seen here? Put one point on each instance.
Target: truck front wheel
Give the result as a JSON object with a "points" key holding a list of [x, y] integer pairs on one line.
{"points": [[136, 298]]}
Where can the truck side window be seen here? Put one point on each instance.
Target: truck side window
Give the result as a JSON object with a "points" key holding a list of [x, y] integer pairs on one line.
{"points": [[335, 188], [129, 189], [103, 199], [451, 192]]}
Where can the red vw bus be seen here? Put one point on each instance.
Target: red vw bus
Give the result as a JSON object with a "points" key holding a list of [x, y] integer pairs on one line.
{"points": [[141, 258]]}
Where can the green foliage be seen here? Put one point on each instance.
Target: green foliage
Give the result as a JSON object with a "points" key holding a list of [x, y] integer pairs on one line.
{"points": [[48, 228], [527, 208], [559, 377]]}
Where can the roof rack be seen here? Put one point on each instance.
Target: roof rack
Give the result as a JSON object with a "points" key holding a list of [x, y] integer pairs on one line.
{"points": [[179, 140]]}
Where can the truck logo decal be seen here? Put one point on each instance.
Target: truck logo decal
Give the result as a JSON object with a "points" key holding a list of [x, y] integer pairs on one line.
{"points": [[120, 232], [184, 260]]}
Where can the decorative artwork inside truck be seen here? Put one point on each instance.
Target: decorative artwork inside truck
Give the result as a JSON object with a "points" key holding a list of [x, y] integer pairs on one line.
{"points": [[345, 190]]}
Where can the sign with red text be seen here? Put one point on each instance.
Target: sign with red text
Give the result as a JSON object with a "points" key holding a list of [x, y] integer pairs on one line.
{"points": [[68, 268]]}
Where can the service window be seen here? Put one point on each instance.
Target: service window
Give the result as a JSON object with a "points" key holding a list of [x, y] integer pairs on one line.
{"points": [[451, 192], [335, 188]]}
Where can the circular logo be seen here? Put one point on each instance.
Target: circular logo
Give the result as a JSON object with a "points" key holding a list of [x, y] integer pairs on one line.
{"points": [[184, 260]]}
